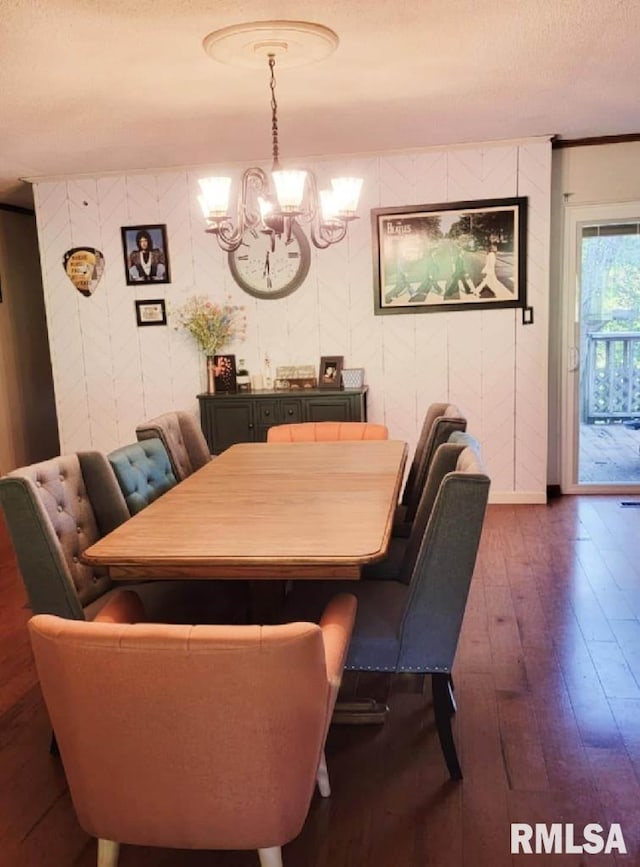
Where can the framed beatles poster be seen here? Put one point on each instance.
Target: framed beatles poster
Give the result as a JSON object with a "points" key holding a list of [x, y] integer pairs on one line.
{"points": [[452, 256]]}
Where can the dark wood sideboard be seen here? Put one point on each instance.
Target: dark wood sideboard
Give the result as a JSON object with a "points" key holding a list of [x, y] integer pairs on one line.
{"points": [[246, 417]]}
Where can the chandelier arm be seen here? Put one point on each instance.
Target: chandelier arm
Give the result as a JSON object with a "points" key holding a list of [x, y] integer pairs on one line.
{"points": [[317, 238], [317, 244], [228, 238], [338, 230], [323, 232], [313, 196], [313, 216], [254, 184], [327, 233]]}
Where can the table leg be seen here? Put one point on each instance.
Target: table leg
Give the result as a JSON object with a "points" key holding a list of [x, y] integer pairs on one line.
{"points": [[363, 711], [363, 698]]}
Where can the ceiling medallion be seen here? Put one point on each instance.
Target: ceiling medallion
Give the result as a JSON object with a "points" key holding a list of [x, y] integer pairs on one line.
{"points": [[295, 43]]}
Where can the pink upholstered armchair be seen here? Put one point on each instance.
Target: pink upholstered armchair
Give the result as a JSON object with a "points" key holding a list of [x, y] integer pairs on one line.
{"points": [[193, 737]]}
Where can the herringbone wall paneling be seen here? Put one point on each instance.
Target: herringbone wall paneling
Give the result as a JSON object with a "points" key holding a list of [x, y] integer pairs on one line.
{"points": [[110, 375]]}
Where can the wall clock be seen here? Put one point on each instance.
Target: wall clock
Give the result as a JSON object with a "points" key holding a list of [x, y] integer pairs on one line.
{"points": [[267, 273]]}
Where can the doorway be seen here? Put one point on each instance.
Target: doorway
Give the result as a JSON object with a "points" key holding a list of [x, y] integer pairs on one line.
{"points": [[601, 438]]}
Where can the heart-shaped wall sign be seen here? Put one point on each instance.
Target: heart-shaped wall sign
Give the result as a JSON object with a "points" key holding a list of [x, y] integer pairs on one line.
{"points": [[84, 267]]}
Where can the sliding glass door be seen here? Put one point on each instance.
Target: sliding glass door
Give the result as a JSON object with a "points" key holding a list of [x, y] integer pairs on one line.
{"points": [[601, 405]]}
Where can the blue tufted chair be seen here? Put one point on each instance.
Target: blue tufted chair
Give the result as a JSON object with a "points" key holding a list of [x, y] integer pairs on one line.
{"points": [[440, 421], [414, 627], [182, 437], [143, 472]]}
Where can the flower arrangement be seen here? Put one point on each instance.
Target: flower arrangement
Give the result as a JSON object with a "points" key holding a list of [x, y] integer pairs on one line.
{"points": [[213, 326]]}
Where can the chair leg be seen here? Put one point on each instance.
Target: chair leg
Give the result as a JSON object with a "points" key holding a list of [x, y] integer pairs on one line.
{"points": [[108, 852], [452, 698], [271, 857], [324, 786], [53, 746], [442, 709]]}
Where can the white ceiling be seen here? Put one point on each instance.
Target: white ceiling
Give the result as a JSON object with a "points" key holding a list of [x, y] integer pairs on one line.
{"points": [[92, 86]]}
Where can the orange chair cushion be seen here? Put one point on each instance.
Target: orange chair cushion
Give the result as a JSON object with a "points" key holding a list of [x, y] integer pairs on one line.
{"points": [[326, 431]]}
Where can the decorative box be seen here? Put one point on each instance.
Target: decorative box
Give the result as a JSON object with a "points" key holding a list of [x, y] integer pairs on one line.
{"points": [[292, 377], [353, 377]]}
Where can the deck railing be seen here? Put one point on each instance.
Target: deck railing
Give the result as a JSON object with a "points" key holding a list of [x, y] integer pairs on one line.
{"points": [[612, 376]]}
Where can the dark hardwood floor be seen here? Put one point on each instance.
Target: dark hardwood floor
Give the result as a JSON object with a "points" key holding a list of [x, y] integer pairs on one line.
{"points": [[548, 726]]}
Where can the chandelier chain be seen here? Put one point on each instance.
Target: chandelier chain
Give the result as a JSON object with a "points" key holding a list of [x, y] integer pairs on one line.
{"points": [[274, 114]]}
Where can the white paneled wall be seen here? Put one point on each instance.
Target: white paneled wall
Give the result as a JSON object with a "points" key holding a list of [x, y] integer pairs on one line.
{"points": [[110, 375]]}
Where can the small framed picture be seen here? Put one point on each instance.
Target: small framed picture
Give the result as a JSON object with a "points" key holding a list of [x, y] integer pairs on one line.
{"points": [[353, 377], [151, 312], [146, 255], [224, 372], [330, 371]]}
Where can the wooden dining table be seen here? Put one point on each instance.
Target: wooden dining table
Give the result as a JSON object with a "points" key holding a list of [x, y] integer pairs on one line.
{"points": [[266, 511]]}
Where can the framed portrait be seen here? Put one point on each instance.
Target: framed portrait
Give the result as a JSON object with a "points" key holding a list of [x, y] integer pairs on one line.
{"points": [[453, 256], [151, 312], [330, 375], [146, 254], [224, 373]]}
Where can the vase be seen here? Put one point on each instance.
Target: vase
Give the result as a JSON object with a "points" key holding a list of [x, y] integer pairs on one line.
{"points": [[211, 375]]}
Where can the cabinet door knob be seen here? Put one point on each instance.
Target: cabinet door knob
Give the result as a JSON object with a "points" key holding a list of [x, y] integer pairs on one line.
{"points": [[289, 412], [250, 427], [267, 412]]}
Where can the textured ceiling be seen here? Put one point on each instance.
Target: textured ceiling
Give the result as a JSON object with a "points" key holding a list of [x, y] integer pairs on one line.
{"points": [[92, 86]]}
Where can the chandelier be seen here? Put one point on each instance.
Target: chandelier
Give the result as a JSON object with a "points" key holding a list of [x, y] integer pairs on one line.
{"points": [[273, 203]]}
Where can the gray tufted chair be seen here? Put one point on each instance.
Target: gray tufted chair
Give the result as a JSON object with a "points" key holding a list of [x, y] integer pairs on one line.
{"points": [[56, 509], [414, 627], [143, 472], [440, 421], [182, 437]]}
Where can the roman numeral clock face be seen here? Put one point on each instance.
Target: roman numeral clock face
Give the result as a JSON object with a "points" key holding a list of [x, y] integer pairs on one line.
{"points": [[267, 273]]}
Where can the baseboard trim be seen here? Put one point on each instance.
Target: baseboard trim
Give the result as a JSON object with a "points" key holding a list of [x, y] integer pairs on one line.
{"points": [[518, 497]]}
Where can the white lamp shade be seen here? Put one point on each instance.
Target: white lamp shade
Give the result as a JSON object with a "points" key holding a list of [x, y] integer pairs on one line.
{"points": [[289, 189], [265, 207], [346, 193], [328, 206], [214, 200]]}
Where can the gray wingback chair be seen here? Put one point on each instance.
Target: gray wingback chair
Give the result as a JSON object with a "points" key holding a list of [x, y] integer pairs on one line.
{"points": [[403, 551], [56, 509], [414, 627], [143, 472], [182, 437], [440, 421]]}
